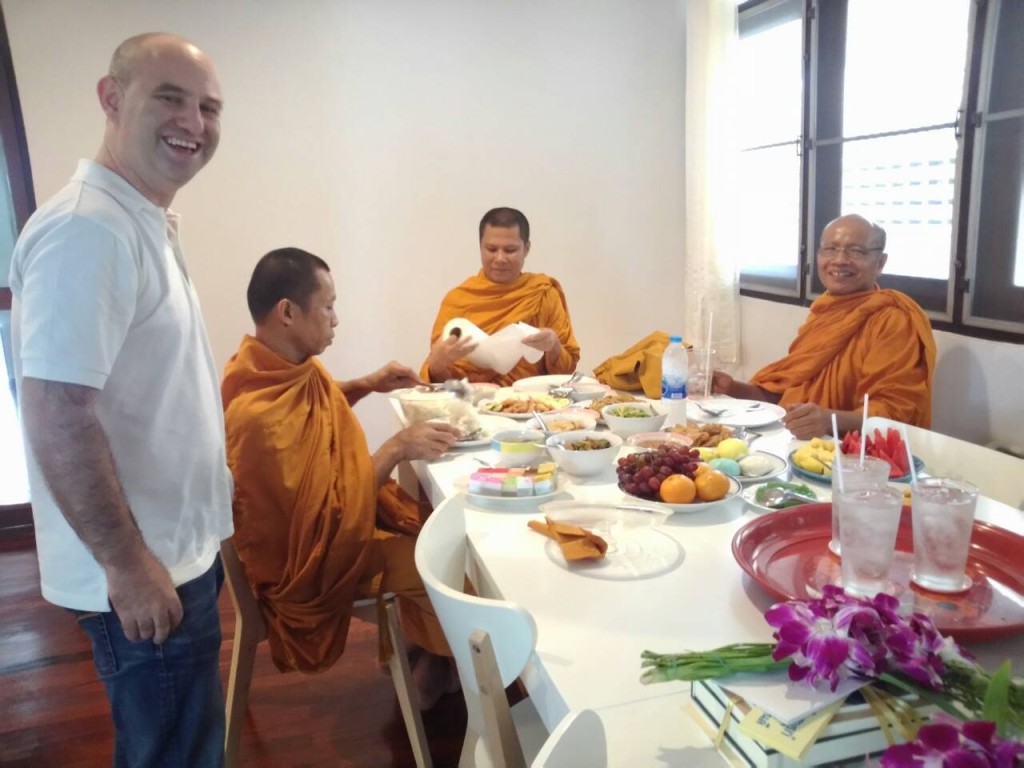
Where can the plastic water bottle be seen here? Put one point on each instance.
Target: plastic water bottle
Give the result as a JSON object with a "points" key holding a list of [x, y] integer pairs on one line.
{"points": [[675, 369]]}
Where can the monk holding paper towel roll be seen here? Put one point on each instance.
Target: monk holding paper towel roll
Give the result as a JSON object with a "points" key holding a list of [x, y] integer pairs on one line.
{"points": [[502, 324]]}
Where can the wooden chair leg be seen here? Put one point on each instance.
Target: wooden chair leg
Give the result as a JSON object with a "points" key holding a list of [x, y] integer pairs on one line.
{"points": [[248, 636], [401, 676]]}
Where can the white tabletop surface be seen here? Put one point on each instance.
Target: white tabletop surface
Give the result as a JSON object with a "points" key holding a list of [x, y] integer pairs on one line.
{"points": [[591, 632]]}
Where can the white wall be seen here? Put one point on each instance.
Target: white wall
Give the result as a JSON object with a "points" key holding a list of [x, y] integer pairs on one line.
{"points": [[377, 132], [977, 392]]}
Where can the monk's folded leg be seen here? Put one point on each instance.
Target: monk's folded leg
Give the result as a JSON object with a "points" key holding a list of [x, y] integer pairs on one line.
{"points": [[419, 622]]}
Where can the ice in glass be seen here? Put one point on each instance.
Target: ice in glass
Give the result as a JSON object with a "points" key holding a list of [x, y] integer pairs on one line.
{"points": [[869, 519], [943, 515], [873, 473]]}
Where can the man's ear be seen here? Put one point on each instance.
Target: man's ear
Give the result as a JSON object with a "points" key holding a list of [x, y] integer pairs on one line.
{"points": [[526, 249], [111, 96], [882, 258], [284, 311]]}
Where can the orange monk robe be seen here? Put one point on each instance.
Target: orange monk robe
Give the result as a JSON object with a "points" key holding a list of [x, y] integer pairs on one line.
{"points": [[307, 508], [878, 342], [535, 299]]}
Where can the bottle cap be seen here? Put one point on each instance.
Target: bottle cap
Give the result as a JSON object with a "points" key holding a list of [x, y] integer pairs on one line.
{"points": [[675, 339]]}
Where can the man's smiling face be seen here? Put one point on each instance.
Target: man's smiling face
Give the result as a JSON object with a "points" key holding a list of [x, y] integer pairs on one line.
{"points": [[850, 258]]}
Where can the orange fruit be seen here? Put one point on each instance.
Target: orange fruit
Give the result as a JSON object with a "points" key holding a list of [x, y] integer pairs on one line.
{"points": [[712, 485], [677, 489], [702, 467]]}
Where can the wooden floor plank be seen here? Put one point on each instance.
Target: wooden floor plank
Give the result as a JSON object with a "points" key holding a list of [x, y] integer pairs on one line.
{"points": [[55, 713]]}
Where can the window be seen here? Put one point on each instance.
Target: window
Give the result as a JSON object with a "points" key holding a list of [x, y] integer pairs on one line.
{"points": [[911, 113]]}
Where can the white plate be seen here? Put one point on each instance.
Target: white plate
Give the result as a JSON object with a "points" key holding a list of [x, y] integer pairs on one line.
{"points": [[462, 484], [543, 383], [633, 553], [694, 506], [737, 413], [489, 425], [750, 493], [517, 416], [779, 466]]}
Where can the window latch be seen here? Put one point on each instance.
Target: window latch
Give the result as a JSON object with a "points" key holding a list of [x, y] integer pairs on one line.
{"points": [[958, 130], [963, 285]]}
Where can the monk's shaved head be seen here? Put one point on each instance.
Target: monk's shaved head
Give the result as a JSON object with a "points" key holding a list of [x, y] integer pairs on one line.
{"points": [[877, 235]]}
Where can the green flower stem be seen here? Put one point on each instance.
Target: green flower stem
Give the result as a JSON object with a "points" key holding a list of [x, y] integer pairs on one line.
{"points": [[707, 665]]}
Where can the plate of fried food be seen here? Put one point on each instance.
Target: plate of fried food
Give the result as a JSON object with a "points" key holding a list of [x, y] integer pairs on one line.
{"points": [[518, 405], [703, 435]]}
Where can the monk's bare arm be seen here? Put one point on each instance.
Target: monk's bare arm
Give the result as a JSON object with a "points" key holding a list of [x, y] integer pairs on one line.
{"points": [[426, 440], [73, 454], [807, 420], [724, 384]]}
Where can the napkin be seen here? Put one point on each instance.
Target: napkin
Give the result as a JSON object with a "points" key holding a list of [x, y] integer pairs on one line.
{"points": [[575, 542], [499, 352], [638, 368]]}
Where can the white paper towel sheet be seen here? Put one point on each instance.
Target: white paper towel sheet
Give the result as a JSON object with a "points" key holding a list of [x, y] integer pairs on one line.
{"points": [[500, 352]]}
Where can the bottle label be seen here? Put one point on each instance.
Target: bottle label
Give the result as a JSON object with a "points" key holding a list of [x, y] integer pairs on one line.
{"points": [[673, 389]]}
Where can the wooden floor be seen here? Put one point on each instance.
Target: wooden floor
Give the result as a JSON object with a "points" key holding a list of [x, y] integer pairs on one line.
{"points": [[53, 711]]}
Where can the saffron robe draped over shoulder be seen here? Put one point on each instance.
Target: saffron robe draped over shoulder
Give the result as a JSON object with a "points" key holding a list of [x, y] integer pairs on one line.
{"points": [[878, 342], [531, 298], [306, 504]]}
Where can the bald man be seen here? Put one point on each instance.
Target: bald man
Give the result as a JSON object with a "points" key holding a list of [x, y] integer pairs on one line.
{"points": [[130, 488], [858, 339]]}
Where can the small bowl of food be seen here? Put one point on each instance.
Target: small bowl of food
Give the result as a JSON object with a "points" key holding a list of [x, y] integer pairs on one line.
{"points": [[584, 452], [625, 419], [518, 447], [651, 441], [563, 421], [588, 391]]}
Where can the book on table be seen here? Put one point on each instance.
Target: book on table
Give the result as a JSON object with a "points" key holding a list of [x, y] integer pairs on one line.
{"points": [[846, 731]]}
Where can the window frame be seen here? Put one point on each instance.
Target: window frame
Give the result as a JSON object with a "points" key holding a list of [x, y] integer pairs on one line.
{"points": [[946, 301]]}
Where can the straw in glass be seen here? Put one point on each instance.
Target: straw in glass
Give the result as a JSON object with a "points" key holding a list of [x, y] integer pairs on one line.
{"points": [[863, 430], [707, 357], [837, 466], [910, 456]]}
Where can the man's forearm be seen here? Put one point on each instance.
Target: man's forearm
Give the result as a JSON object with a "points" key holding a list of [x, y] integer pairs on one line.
{"points": [[73, 454], [386, 459], [355, 390], [747, 391]]}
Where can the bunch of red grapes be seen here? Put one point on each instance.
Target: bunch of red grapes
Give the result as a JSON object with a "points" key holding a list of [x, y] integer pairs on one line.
{"points": [[640, 474]]}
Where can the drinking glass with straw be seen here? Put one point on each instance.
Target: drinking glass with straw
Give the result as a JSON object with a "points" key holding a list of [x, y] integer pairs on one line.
{"points": [[863, 430]]}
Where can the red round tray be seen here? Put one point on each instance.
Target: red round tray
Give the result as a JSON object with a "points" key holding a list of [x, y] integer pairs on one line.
{"points": [[786, 552]]}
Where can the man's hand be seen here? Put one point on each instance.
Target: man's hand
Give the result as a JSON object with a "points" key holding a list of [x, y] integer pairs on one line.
{"points": [[546, 340], [807, 420], [721, 383], [392, 376], [426, 440], [144, 598], [446, 352]]}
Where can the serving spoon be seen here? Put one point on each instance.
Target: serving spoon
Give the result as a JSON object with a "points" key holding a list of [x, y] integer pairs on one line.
{"points": [[775, 498]]}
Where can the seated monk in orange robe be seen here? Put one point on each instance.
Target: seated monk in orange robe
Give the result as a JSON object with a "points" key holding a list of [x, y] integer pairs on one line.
{"points": [[318, 524], [859, 339], [501, 294]]}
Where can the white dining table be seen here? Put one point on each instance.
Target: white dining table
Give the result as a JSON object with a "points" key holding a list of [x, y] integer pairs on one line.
{"points": [[591, 631]]}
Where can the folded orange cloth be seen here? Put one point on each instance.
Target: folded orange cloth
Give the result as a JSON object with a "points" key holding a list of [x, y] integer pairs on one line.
{"points": [[575, 542], [638, 368]]}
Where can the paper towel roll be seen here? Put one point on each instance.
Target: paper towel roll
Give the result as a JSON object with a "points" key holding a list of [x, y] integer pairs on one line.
{"points": [[498, 353]]}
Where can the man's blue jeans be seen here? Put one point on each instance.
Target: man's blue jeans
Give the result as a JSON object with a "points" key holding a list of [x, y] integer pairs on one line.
{"points": [[166, 700]]}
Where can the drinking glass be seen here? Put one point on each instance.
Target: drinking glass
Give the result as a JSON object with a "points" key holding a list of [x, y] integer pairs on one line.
{"points": [[873, 473], [698, 383], [943, 515], [869, 520]]}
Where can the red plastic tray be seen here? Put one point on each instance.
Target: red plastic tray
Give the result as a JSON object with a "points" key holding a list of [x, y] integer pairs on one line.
{"points": [[786, 552]]}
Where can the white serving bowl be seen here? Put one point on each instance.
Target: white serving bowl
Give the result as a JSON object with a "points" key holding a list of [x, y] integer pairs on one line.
{"points": [[518, 447], [624, 426], [588, 391], [423, 405], [563, 421], [650, 441], [582, 463]]}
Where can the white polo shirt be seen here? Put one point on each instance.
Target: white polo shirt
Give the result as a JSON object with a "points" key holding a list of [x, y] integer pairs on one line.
{"points": [[102, 298]]}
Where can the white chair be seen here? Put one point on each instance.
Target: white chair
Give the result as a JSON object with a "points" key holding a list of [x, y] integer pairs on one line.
{"points": [[250, 631], [577, 742], [491, 640]]}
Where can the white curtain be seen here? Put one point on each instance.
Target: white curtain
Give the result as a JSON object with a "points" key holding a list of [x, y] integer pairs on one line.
{"points": [[711, 293]]}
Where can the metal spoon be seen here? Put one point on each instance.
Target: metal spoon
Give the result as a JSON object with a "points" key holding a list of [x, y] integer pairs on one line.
{"points": [[775, 498]]}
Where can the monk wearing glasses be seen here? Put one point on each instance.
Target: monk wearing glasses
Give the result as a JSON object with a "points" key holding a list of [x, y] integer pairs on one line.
{"points": [[859, 339]]}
